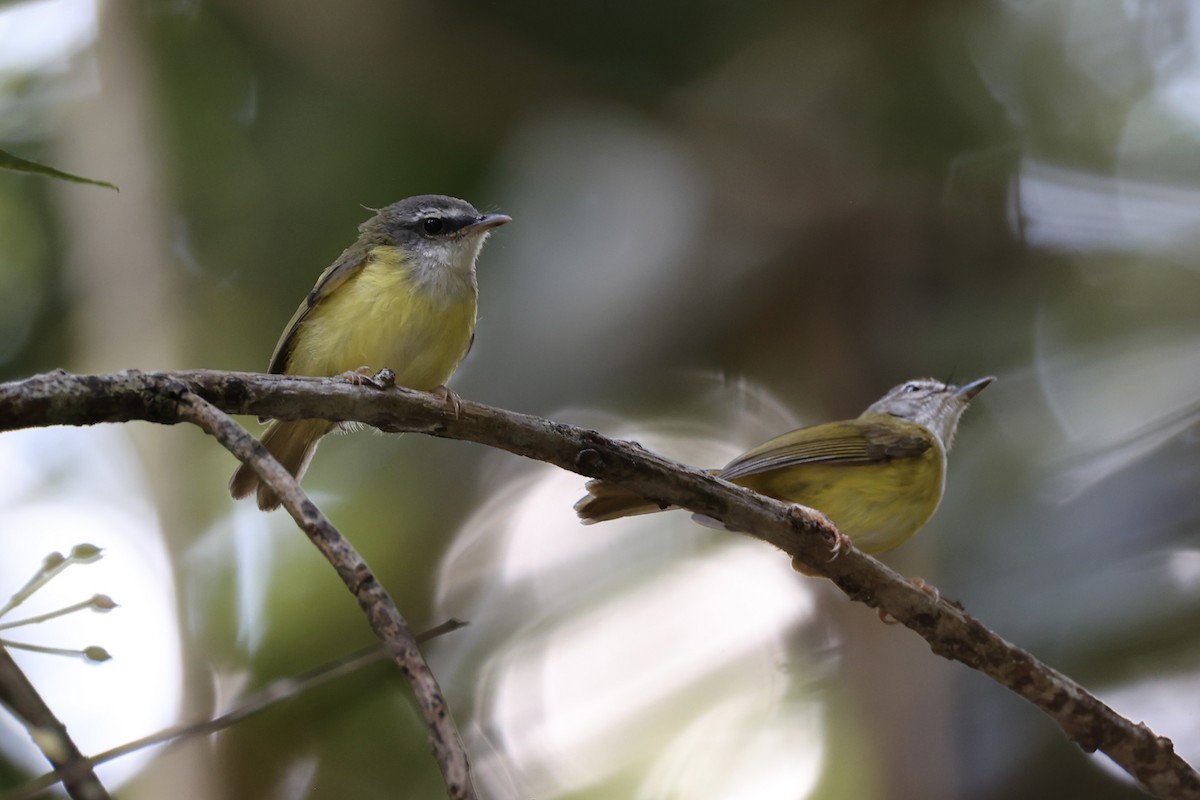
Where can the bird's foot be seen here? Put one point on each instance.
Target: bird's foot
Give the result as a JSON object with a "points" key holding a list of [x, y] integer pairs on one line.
{"points": [[366, 376], [450, 397], [839, 540]]}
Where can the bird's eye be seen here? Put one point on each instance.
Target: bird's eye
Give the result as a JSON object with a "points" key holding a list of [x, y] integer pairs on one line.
{"points": [[432, 226], [912, 387]]}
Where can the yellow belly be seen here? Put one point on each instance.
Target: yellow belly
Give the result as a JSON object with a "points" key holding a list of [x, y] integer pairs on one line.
{"points": [[879, 506], [380, 318]]}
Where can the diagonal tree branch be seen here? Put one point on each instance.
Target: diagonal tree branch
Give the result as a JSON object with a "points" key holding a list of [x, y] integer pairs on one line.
{"points": [[385, 619], [48, 733], [60, 398], [168, 400]]}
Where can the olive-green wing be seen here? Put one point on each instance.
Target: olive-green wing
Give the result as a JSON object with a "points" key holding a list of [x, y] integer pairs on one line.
{"points": [[859, 441], [336, 274]]}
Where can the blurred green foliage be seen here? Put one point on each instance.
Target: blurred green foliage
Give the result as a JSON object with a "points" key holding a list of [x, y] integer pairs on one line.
{"points": [[17, 164]]}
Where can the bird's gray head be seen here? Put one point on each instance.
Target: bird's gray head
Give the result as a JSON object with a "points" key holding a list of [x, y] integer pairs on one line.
{"points": [[440, 235], [936, 405]]}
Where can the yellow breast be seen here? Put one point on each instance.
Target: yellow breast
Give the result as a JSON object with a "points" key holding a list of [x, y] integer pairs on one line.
{"points": [[879, 506], [381, 317]]}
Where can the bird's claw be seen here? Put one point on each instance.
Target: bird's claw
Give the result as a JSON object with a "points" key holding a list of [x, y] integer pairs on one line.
{"points": [[836, 538], [366, 376], [927, 588], [451, 398], [840, 540]]}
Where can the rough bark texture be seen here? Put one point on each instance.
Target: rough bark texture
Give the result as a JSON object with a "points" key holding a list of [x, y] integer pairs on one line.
{"points": [[59, 398]]}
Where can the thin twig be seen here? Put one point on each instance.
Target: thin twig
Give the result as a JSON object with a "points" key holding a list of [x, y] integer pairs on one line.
{"points": [[275, 693], [382, 615], [60, 398], [47, 732]]}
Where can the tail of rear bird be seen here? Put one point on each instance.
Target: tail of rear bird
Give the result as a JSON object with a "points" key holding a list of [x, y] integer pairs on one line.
{"points": [[605, 501]]}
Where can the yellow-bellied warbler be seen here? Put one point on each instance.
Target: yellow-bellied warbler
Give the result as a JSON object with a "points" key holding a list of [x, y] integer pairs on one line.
{"points": [[878, 477], [402, 297]]}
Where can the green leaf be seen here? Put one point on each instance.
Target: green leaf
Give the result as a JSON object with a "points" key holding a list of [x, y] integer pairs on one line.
{"points": [[18, 164]]}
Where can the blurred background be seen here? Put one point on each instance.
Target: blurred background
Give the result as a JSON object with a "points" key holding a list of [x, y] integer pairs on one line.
{"points": [[729, 220]]}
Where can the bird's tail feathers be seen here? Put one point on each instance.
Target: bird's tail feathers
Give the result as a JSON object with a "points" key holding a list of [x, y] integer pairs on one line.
{"points": [[293, 445], [605, 501]]}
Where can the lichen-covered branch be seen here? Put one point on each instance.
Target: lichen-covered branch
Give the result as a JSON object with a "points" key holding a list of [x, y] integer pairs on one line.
{"points": [[59, 398]]}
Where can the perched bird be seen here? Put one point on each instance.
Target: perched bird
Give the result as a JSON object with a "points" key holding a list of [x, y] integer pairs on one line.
{"points": [[402, 297], [878, 477]]}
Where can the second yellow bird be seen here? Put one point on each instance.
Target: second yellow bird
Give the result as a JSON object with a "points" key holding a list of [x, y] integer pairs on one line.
{"points": [[879, 477]]}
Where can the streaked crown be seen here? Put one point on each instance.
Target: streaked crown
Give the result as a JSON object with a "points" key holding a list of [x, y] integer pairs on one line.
{"points": [[936, 405]]}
